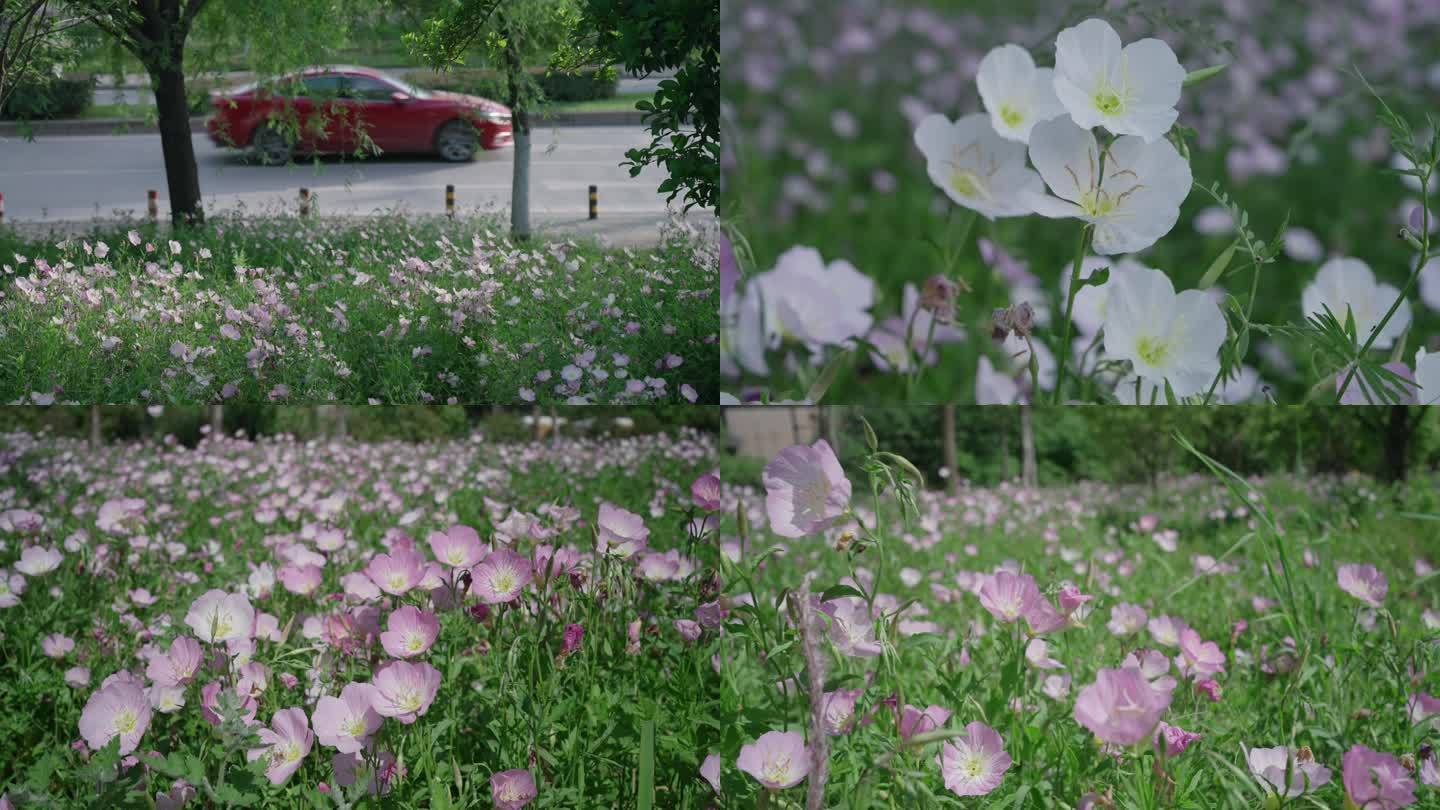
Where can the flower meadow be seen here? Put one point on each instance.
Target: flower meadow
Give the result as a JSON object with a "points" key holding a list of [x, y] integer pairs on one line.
{"points": [[1210, 641], [333, 623], [1132, 202], [382, 311]]}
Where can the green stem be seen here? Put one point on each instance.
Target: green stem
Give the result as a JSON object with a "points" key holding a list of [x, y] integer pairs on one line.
{"points": [[1062, 352], [1404, 293]]}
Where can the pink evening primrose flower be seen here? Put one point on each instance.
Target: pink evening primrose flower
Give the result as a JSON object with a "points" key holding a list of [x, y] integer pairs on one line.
{"points": [[501, 577], [1126, 619], [806, 491], [1120, 707], [178, 666], [1364, 582], [57, 645], [347, 722], [974, 764], [778, 760], [218, 617], [710, 771], [620, 532], [705, 491], [410, 632], [397, 572], [851, 627], [119, 709], [1200, 657], [915, 721], [1376, 780], [37, 561], [404, 690], [1269, 766], [839, 710], [457, 547], [287, 742], [512, 789]]}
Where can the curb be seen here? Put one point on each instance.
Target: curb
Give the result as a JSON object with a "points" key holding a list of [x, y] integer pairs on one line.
{"points": [[127, 126]]}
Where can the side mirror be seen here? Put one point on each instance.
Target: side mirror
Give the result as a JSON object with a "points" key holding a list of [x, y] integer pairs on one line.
{"points": [[399, 97]]}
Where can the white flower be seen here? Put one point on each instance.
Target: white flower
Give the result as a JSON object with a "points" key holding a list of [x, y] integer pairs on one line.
{"points": [[1090, 302], [745, 334], [1427, 377], [1430, 284], [993, 387], [218, 616], [1136, 203], [1165, 336], [1348, 283], [817, 304], [975, 166], [1129, 91], [1015, 92]]}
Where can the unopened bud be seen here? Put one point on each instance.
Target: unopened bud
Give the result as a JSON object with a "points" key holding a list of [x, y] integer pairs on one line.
{"points": [[1411, 240], [1019, 319], [938, 298]]}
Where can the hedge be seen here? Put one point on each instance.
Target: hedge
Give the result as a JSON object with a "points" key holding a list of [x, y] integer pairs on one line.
{"points": [[51, 98]]}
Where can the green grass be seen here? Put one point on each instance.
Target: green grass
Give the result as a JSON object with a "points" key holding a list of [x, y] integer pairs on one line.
{"points": [[389, 309], [1350, 686]]}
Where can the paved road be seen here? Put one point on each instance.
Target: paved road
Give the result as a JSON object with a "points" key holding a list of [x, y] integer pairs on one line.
{"points": [[141, 95], [79, 177]]}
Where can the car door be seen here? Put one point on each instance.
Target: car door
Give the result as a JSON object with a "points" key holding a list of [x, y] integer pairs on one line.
{"points": [[325, 115], [377, 115]]}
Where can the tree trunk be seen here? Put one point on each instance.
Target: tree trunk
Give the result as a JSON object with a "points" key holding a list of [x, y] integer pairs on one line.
{"points": [[1399, 430], [94, 426], [217, 422], [182, 177], [952, 457], [520, 125], [1028, 472]]}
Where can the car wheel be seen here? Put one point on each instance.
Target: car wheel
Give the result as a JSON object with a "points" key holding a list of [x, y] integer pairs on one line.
{"points": [[270, 147], [457, 142]]}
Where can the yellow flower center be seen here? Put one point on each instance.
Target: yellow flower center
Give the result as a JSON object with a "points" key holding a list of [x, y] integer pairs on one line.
{"points": [[125, 721], [415, 643], [409, 700], [356, 727], [398, 582], [1154, 352], [778, 769], [1108, 101], [972, 765], [965, 183], [1097, 203], [220, 625], [1011, 116], [289, 752], [457, 555], [503, 581]]}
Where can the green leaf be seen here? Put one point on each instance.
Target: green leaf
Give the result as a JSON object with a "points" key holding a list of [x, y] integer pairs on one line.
{"points": [[1212, 274], [1195, 77], [837, 591], [646, 798], [826, 378]]}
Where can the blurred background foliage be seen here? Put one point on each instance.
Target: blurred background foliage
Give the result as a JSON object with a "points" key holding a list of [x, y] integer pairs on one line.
{"points": [[1135, 445], [406, 423], [820, 103]]}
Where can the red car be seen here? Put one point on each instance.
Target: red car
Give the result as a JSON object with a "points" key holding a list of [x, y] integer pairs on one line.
{"points": [[334, 109]]}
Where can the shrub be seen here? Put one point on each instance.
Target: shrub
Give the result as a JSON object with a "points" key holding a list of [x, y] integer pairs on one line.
{"points": [[52, 98], [585, 85]]}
